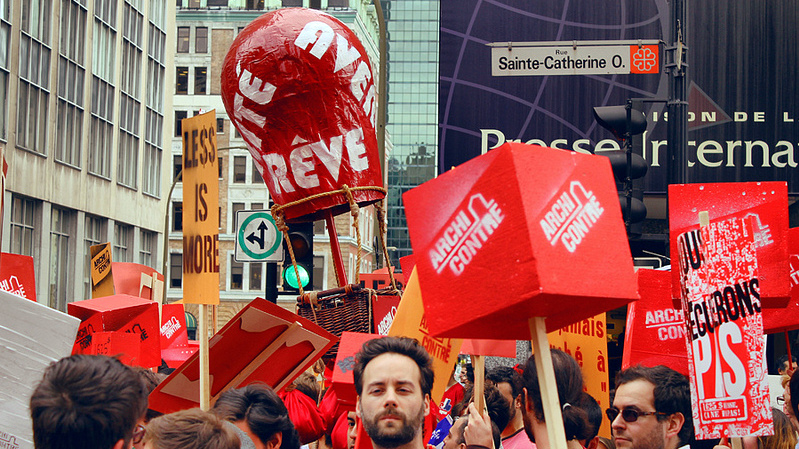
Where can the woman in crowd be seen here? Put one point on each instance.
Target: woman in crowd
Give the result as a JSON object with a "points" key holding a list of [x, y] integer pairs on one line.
{"points": [[258, 411]]}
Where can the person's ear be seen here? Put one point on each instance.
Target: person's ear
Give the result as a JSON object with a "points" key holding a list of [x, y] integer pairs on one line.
{"points": [[674, 424], [593, 444], [517, 401], [121, 444], [275, 441], [358, 407], [426, 404], [528, 407]]}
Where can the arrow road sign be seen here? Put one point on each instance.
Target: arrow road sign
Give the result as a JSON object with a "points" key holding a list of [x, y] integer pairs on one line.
{"points": [[257, 237]]}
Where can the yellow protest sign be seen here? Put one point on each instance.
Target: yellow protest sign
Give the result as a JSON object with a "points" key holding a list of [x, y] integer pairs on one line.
{"points": [[102, 279], [410, 322], [200, 210], [587, 342]]}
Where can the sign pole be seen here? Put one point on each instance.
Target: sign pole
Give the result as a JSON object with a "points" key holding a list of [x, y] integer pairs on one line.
{"points": [[547, 384], [271, 282], [205, 378]]}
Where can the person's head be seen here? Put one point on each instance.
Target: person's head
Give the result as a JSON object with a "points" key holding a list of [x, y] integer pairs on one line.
{"points": [[393, 378], [307, 384], [258, 411], [509, 383], [651, 409], [782, 364], [594, 413], [189, 429], [497, 406], [86, 401], [455, 439], [352, 429], [784, 436], [569, 380]]}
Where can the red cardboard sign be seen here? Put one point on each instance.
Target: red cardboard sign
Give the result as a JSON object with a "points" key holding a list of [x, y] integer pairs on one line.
{"points": [[785, 319], [726, 360], [767, 202], [123, 313], [173, 326], [124, 345], [655, 332], [519, 232], [127, 279], [384, 308], [350, 344], [298, 86], [262, 343], [493, 348], [17, 275]]}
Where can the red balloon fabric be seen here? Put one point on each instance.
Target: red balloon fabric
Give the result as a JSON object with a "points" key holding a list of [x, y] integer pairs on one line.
{"points": [[304, 414], [339, 434], [298, 85], [332, 408]]}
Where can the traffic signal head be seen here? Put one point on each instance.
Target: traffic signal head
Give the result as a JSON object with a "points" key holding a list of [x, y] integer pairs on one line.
{"points": [[301, 241], [614, 119]]}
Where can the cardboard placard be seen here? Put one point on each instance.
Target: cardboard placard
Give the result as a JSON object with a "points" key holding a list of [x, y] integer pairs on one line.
{"points": [[32, 336], [123, 313], [519, 232], [128, 280], [176, 347], [263, 342], [101, 272], [410, 321], [348, 347], [384, 309], [655, 331], [724, 336], [492, 348], [785, 319], [379, 279], [587, 342], [125, 346], [17, 275], [766, 202]]}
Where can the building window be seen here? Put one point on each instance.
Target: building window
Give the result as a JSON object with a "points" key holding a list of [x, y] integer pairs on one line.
{"points": [[34, 84], [319, 272], [256, 175], [239, 169], [103, 92], [71, 74], [22, 226], [183, 39], [236, 274], [148, 240], [182, 81], [201, 40], [200, 80], [257, 206], [154, 93], [338, 3], [179, 116], [255, 4], [175, 270], [221, 170], [122, 243], [60, 258], [234, 208], [177, 167], [255, 276], [93, 234], [177, 216], [5, 40], [220, 126]]}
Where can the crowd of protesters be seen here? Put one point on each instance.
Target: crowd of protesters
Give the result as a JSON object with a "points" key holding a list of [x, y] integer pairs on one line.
{"points": [[96, 402]]}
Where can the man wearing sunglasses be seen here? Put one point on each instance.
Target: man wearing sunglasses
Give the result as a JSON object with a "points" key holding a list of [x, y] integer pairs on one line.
{"points": [[651, 409]]}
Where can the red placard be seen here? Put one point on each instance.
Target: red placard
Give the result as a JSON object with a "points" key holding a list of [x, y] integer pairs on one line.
{"points": [[351, 343], [128, 279], [384, 308], [298, 86], [17, 275], [492, 348], [785, 319], [262, 343], [123, 313], [173, 326], [724, 336], [123, 345], [766, 202], [519, 232], [655, 331]]}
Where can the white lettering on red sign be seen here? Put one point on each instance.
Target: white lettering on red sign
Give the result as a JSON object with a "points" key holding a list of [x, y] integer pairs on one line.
{"points": [[12, 285], [466, 235], [169, 328], [571, 217], [668, 323]]}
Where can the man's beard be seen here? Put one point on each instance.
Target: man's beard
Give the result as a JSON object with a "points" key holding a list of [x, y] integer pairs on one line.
{"points": [[395, 436]]}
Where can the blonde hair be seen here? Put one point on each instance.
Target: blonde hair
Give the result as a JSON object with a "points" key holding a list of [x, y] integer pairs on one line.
{"points": [[191, 429], [784, 435]]}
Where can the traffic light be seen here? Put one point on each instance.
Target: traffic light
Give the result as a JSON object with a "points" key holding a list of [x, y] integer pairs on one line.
{"points": [[626, 122], [301, 241]]}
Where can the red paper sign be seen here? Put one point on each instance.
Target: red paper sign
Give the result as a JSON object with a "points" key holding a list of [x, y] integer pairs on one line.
{"points": [[785, 319], [298, 86], [519, 232], [17, 275], [384, 308], [350, 344], [493, 348], [128, 277], [121, 313], [262, 343], [124, 345], [655, 332], [173, 326], [766, 202], [729, 384]]}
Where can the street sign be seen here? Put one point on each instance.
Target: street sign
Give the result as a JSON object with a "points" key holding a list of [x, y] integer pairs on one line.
{"points": [[574, 58], [257, 237]]}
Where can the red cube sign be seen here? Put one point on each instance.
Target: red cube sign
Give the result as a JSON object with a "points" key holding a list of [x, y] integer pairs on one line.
{"points": [[520, 232]]}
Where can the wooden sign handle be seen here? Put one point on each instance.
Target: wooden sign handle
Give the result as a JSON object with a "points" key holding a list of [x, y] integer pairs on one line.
{"points": [[205, 377], [478, 363], [546, 381]]}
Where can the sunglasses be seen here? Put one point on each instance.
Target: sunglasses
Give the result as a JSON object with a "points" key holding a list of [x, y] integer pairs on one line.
{"points": [[138, 434], [629, 414]]}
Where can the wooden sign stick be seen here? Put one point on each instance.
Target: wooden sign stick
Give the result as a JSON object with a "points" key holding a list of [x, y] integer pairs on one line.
{"points": [[737, 443], [478, 363], [205, 377], [546, 381]]}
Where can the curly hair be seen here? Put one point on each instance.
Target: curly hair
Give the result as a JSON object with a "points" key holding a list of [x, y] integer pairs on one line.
{"points": [[263, 411]]}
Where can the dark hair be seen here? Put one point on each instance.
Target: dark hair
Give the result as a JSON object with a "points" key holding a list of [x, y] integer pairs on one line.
{"points": [[569, 380], [306, 384], [191, 429], [496, 433], [497, 405], [782, 361], [793, 385], [263, 411], [150, 380], [594, 413], [86, 401], [508, 375], [672, 393], [408, 347]]}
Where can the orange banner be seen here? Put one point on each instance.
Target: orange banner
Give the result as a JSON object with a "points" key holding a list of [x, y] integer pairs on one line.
{"points": [[200, 210], [410, 322], [587, 342]]}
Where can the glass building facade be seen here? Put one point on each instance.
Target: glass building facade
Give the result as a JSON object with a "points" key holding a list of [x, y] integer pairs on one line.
{"points": [[412, 27]]}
